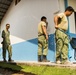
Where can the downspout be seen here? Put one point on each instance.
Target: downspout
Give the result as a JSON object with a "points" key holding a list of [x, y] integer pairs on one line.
{"points": [[66, 5]]}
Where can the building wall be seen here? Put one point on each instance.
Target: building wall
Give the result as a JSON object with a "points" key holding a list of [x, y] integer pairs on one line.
{"points": [[71, 18], [24, 19], [61, 5], [25, 16], [72, 30]]}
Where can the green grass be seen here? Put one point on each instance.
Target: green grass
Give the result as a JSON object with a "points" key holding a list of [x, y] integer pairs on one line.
{"points": [[40, 70]]}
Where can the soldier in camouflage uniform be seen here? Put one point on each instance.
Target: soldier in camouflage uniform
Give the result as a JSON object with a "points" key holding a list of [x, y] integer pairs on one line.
{"points": [[61, 25], [42, 40], [6, 44]]}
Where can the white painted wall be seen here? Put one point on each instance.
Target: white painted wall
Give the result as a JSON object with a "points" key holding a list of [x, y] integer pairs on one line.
{"points": [[61, 5], [72, 3], [25, 16], [71, 18]]}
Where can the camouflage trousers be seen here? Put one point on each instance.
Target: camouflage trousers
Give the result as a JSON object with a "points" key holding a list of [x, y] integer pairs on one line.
{"points": [[42, 45], [8, 48], [61, 45]]}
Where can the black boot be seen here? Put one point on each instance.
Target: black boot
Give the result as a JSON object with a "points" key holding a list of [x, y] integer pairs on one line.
{"points": [[39, 58], [45, 59], [4, 60], [10, 60]]}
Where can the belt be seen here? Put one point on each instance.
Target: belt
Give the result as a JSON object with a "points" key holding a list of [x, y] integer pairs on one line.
{"points": [[41, 34], [62, 30]]}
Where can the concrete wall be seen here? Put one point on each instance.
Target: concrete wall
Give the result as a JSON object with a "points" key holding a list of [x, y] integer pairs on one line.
{"points": [[24, 19], [71, 18], [25, 16], [61, 5]]}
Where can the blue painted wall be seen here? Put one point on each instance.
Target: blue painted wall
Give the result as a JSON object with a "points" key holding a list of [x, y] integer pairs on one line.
{"points": [[27, 50]]}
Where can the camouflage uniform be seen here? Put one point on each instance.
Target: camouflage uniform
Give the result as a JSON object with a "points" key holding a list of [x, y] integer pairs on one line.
{"points": [[42, 42], [62, 39], [6, 44], [61, 45]]}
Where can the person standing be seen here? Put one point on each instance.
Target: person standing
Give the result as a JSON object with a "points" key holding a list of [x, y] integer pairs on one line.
{"points": [[42, 40], [61, 26], [6, 44]]}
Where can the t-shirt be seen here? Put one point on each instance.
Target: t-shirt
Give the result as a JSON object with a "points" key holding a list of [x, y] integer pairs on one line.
{"points": [[6, 36], [64, 22], [40, 30]]}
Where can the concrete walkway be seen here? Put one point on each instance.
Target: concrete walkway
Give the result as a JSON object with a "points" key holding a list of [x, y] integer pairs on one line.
{"points": [[35, 63], [73, 65]]}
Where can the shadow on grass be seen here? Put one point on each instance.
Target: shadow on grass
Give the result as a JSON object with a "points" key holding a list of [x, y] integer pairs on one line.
{"points": [[9, 68]]}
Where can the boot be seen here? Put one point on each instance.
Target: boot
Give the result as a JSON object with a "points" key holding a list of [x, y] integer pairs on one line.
{"points": [[4, 60], [10, 60], [39, 58], [45, 59]]}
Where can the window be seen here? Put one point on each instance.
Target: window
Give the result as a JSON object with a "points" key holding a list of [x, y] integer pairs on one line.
{"points": [[17, 1]]}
